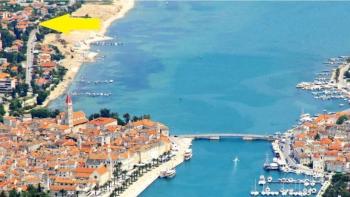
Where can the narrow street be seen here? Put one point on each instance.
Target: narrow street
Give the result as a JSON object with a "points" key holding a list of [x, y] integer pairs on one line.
{"points": [[30, 57]]}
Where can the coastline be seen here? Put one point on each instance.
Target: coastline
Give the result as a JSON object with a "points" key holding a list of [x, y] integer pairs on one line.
{"points": [[139, 186], [77, 46], [147, 179], [75, 56], [143, 182]]}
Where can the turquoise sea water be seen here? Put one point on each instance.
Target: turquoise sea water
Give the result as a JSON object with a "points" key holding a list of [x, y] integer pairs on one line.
{"points": [[203, 66]]}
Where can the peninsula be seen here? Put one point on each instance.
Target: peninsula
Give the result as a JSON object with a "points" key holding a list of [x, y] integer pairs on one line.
{"points": [[72, 155]]}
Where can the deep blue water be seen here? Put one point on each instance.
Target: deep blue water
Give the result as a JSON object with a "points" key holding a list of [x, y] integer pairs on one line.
{"points": [[217, 67]]}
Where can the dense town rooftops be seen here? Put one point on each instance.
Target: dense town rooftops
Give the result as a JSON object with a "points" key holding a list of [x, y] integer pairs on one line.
{"points": [[324, 139], [102, 121], [37, 149]]}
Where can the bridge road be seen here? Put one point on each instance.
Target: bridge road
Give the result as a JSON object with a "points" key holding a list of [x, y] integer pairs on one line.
{"points": [[244, 136]]}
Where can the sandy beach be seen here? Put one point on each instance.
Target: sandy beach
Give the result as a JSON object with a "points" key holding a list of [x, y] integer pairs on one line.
{"points": [[76, 45]]}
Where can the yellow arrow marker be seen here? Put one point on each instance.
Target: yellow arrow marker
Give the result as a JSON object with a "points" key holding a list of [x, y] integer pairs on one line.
{"points": [[66, 23]]}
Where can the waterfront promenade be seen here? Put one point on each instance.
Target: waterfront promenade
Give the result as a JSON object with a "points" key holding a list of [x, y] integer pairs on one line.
{"points": [[148, 178]]}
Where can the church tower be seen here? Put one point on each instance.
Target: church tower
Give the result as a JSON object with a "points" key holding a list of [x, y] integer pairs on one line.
{"points": [[69, 114]]}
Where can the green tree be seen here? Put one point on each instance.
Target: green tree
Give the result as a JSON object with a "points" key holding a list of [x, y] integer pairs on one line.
{"points": [[14, 193], [317, 136], [338, 186], [126, 117], [147, 116], [63, 192], [93, 116], [54, 113], [105, 112], [2, 110], [3, 194], [13, 57], [41, 97], [40, 113], [6, 38], [22, 89], [15, 105], [342, 119]]}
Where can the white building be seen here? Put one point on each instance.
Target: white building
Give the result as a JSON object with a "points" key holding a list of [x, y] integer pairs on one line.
{"points": [[7, 84]]}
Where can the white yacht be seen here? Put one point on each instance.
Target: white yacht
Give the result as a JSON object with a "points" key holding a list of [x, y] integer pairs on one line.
{"points": [[284, 192], [305, 117], [306, 183], [267, 190], [312, 183], [271, 166], [262, 180], [314, 190], [269, 179], [188, 154], [168, 173]]}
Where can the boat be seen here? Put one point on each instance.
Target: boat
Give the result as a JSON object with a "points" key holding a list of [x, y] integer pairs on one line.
{"points": [[270, 166], [313, 190], [168, 173], [262, 180], [312, 183], [284, 192], [269, 179], [188, 154], [235, 160], [306, 183], [254, 192], [305, 117], [267, 190]]}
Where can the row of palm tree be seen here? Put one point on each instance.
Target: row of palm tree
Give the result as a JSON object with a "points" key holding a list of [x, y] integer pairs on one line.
{"points": [[136, 173], [120, 174]]}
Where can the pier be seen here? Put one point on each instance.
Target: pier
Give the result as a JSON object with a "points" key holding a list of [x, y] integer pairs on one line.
{"points": [[218, 136]]}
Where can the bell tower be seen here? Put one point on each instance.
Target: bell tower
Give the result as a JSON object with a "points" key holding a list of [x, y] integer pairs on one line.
{"points": [[69, 114]]}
